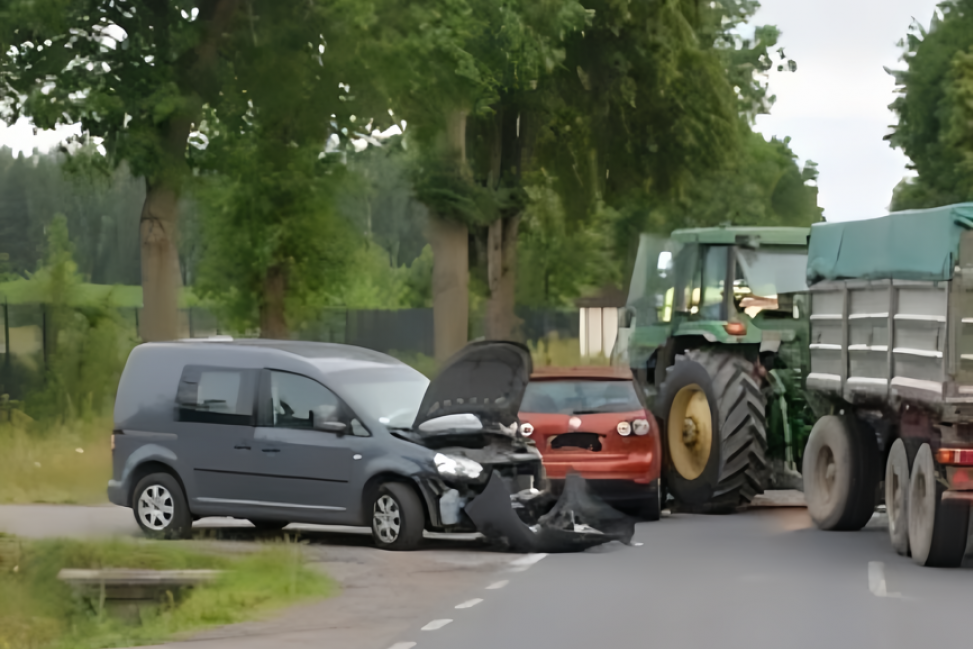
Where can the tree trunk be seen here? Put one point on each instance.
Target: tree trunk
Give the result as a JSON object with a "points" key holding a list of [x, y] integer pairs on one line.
{"points": [[273, 324], [450, 285], [502, 323], [511, 153], [451, 254], [160, 263], [158, 236]]}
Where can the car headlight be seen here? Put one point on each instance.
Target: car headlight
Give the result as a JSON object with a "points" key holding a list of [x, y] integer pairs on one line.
{"points": [[641, 426], [453, 466]]}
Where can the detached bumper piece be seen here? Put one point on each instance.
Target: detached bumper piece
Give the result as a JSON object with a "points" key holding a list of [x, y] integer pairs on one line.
{"points": [[578, 520]]}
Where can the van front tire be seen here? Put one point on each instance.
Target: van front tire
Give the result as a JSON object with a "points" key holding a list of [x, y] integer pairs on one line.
{"points": [[397, 517], [160, 507]]}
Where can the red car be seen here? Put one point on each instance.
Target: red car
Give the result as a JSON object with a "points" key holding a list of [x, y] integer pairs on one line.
{"points": [[594, 420]]}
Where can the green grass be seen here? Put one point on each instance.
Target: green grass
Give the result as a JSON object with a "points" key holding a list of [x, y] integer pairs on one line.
{"points": [[555, 351], [26, 291], [54, 463], [38, 611]]}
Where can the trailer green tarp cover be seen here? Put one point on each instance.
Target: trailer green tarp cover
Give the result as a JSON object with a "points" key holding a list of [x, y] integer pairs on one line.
{"points": [[915, 244]]}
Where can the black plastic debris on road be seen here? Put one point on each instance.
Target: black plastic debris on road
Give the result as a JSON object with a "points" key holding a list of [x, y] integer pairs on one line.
{"points": [[578, 520]]}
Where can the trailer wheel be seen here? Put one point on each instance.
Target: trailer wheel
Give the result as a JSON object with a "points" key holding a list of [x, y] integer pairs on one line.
{"points": [[897, 497], [841, 468], [937, 528], [715, 436]]}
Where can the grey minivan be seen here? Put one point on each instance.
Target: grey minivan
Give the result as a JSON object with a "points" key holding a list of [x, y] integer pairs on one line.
{"points": [[281, 432]]}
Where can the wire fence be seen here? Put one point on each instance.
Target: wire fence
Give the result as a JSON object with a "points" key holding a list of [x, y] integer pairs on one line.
{"points": [[27, 336]]}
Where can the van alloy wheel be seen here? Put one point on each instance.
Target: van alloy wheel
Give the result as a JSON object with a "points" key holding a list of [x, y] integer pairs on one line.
{"points": [[388, 520], [160, 507], [156, 507]]}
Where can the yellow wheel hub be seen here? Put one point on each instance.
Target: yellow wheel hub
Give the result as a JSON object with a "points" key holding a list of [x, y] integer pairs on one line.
{"points": [[689, 430]]}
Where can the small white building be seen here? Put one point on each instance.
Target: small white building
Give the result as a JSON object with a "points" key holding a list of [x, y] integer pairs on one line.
{"points": [[598, 324]]}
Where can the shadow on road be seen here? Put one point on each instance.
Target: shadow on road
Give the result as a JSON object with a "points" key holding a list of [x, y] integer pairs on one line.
{"points": [[331, 536]]}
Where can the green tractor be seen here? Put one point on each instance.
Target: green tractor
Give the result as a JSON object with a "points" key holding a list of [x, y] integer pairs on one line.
{"points": [[716, 330]]}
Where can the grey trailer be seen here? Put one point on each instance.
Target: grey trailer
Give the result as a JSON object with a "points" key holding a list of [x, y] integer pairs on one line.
{"points": [[891, 377]]}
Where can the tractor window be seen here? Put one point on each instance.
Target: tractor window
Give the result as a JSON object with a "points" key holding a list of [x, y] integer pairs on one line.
{"points": [[686, 292], [714, 280], [772, 270]]}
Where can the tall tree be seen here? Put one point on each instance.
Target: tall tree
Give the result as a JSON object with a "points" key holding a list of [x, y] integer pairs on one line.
{"points": [[933, 110], [460, 72], [272, 239], [18, 236], [136, 77]]}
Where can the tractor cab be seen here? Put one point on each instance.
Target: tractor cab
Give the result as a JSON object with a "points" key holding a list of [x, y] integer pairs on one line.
{"points": [[678, 291]]}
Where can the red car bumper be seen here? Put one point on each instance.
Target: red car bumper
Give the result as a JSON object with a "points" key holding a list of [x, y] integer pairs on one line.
{"points": [[639, 468]]}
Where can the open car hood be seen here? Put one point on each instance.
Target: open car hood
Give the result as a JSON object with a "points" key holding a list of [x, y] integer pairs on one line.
{"points": [[486, 379]]}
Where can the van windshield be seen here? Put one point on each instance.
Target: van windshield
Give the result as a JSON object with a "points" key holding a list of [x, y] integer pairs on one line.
{"points": [[580, 397], [391, 395]]}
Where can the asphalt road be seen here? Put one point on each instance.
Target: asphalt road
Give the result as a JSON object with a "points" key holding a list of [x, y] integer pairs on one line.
{"points": [[753, 580], [765, 578]]}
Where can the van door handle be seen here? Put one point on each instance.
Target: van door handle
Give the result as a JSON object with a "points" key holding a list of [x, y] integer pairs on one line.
{"points": [[242, 448], [271, 450]]}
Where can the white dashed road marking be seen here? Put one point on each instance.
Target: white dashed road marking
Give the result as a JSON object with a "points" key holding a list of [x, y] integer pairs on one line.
{"points": [[403, 645], [523, 563], [497, 585], [469, 603], [876, 580], [436, 625]]}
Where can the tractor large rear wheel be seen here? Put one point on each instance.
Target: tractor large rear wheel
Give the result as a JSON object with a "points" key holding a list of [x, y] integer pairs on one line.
{"points": [[714, 431]]}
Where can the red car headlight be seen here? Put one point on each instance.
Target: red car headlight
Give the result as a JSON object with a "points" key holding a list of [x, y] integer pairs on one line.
{"points": [[526, 429], [624, 428], [641, 426]]}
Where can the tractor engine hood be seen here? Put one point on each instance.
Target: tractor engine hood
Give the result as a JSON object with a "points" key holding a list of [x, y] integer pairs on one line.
{"points": [[485, 380]]}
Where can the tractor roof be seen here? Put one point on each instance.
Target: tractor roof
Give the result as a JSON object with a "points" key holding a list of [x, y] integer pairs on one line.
{"points": [[732, 234], [911, 245]]}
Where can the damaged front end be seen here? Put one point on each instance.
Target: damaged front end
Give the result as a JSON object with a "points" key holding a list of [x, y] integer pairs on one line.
{"points": [[488, 477]]}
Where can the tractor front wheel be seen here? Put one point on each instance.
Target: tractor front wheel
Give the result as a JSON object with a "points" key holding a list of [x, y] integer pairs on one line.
{"points": [[714, 434]]}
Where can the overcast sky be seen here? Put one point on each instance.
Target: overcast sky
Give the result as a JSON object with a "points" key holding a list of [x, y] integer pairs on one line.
{"points": [[835, 107]]}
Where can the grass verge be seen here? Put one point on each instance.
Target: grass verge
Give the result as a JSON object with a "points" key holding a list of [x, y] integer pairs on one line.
{"points": [[40, 612], [554, 351], [56, 464]]}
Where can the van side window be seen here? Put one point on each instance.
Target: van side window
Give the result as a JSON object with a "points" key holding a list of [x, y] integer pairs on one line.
{"points": [[215, 395], [298, 401]]}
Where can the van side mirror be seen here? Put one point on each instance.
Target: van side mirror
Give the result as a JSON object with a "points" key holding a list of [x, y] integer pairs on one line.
{"points": [[331, 426], [321, 421]]}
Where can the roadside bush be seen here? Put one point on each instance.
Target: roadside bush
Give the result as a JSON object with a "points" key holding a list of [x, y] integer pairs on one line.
{"points": [[86, 343]]}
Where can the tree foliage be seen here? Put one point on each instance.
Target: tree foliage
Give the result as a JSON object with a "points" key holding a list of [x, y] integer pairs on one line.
{"points": [[934, 111], [274, 244], [100, 213]]}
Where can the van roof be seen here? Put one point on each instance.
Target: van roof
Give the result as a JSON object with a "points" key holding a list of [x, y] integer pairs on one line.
{"points": [[303, 348]]}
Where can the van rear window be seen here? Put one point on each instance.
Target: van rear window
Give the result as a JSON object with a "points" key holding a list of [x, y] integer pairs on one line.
{"points": [[580, 397], [216, 395]]}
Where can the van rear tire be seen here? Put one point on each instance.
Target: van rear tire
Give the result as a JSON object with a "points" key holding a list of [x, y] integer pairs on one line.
{"points": [[160, 507]]}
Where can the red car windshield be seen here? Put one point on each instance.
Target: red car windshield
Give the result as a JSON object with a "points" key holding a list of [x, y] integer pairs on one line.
{"points": [[580, 397]]}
